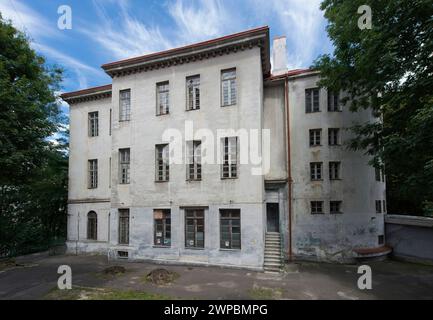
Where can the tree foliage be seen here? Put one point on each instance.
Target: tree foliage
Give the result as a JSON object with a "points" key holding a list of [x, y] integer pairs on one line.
{"points": [[388, 68], [33, 169]]}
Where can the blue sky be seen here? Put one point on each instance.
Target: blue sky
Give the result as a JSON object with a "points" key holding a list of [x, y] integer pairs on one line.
{"points": [[108, 30]]}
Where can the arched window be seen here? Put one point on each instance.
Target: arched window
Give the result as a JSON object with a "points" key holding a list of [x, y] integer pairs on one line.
{"points": [[92, 226]]}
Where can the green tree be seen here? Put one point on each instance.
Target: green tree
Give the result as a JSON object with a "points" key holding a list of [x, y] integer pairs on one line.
{"points": [[33, 169], [388, 68]]}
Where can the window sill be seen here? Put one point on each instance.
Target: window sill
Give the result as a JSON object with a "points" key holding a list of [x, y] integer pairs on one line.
{"points": [[163, 114], [159, 246], [229, 178], [192, 109], [316, 145], [308, 112], [228, 105], [232, 250], [336, 213], [161, 181], [337, 179], [124, 184], [123, 121], [193, 180], [192, 248], [316, 180]]}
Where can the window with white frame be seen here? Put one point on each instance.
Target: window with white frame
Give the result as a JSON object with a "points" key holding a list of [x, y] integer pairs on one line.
{"points": [[316, 207], [162, 98], [193, 93], [92, 226], [194, 160], [316, 170], [230, 157], [315, 137], [334, 136], [125, 105], [334, 170], [335, 207], [230, 228], [333, 101], [312, 100], [162, 227], [93, 174], [162, 162], [228, 87], [123, 226], [93, 124], [124, 165]]}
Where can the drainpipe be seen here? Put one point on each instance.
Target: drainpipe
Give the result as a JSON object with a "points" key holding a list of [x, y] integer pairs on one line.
{"points": [[289, 166]]}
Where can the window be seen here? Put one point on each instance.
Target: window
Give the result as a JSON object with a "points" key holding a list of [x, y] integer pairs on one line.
{"points": [[230, 229], [333, 101], [194, 160], [162, 98], [193, 93], [162, 162], [93, 174], [125, 105], [315, 137], [316, 207], [230, 156], [334, 136], [92, 226], [228, 87], [335, 207], [312, 101], [162, 227], [123, 226], [194, 228], [384, 206], [377, 173], [378, 206], [381, 239], [124, 165], [93, 124], [316, 170], [334, 170]]}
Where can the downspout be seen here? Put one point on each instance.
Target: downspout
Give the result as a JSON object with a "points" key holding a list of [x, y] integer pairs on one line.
{"points": [[289, 166]]}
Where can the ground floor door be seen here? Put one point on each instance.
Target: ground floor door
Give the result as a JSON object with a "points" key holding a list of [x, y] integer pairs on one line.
{"points": [[272, 217]]}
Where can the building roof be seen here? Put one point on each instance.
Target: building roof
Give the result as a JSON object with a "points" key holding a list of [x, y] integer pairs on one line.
{"points": [[88, 94], [198, 51]]}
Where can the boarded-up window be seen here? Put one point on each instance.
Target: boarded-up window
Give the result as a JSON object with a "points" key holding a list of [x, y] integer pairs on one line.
{"points": [[162, 227], [228, 87], [335, 207], [92, 226], [194, 228], [230, 229], [123, 226]]}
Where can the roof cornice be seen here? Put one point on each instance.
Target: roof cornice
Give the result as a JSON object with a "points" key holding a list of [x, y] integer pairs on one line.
{"points": [[249, 39], [90, 94]]}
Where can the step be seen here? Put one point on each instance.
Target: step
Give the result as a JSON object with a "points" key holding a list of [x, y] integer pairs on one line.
{"points": [[273, 246], [272, 253], [272, 241], [275, 257], [272, 264], [272, 238]]}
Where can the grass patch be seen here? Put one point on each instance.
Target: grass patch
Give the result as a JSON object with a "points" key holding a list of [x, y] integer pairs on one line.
{"points": [[79, 293], [262, 293]]}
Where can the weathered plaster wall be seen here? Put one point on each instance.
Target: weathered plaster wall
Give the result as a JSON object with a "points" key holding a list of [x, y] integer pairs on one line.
{"points": [[330, 237]]}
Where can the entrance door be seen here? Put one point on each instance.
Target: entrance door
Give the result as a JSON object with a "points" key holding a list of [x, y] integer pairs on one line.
{"points": [[272, 217]]}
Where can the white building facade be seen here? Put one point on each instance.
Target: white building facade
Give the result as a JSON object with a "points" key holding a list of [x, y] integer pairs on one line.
{"points": [[164, 161]]}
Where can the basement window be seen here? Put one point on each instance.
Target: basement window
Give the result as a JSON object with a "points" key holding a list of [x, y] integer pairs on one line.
{"points": [[381, 239], [122, 254], [335, 207]]}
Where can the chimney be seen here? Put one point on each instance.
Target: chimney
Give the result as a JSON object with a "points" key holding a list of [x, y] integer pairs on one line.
{"points": [[279, 56]]}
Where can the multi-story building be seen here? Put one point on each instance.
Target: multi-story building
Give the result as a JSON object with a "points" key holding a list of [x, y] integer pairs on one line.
{"points": [[201, 154]]}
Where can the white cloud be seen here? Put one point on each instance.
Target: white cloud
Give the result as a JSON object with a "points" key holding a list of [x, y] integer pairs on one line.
{"points": [[198, 21], [304, 26]]}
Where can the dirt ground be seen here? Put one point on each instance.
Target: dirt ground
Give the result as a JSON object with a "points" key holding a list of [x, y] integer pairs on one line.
{"points": [[35, 277]]}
